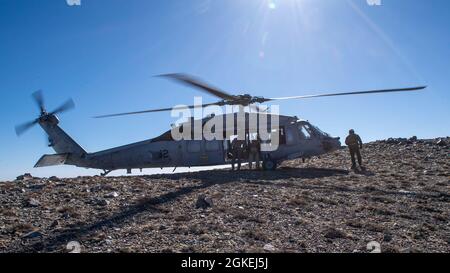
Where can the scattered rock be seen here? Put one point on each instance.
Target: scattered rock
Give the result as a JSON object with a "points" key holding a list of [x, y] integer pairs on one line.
{"points": [[396, 141], [333, 233], [203, 202], [125, 250], [441, 142], [269, 248], [32, 234], [54, 224], [112, 195], [54, 179], [36, 187], [410, 250], [33, 202], [387, 237], [400, 200], [24, 177], [21, 228], [102, 202], [162, 227]]}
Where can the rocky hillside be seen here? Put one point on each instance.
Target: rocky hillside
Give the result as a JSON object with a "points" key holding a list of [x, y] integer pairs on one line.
{"points": [[400, 201]]}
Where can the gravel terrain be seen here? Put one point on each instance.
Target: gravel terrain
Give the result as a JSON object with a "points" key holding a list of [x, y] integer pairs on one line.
{"points": [[400, 201]]}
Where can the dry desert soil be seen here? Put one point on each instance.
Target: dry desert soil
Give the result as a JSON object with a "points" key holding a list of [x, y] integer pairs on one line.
{"points": [[400, 201]]}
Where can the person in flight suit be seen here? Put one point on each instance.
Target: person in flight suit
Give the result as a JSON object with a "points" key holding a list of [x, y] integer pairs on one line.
{"points": [[254, 150], [237, 150], [354, 143]]}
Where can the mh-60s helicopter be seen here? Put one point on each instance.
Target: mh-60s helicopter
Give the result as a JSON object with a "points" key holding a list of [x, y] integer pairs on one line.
{"points": [[296, 138]]}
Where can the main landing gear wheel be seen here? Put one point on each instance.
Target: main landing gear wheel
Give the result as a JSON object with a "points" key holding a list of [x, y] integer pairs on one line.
{"points": [[269, 165]]}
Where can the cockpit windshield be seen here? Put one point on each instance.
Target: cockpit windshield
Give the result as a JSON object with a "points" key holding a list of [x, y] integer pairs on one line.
{"points": [[305, 133], [319, 131], [307, 130]]}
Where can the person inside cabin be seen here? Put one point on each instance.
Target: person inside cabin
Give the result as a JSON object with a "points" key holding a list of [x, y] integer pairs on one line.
{"points": [[254, 153], [237, 151]]}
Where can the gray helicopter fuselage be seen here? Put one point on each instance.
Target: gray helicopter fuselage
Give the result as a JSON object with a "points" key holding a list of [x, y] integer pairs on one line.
{"points": [[297, 138], [151, 154]]}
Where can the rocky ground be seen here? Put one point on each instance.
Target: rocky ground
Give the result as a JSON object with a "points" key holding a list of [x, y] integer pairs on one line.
{"points": [[400, 201]]}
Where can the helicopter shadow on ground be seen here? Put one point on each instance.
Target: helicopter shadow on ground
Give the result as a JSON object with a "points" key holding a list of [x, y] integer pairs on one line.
{"points": [[228, 176], [57, 241]]}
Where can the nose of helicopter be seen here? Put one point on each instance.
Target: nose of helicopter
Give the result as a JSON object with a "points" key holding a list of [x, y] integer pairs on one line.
{"points": [[337, 142], [331, 144]]}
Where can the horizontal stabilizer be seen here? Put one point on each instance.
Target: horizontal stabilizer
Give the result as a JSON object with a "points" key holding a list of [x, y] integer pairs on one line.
{"points": [[52, 160]]}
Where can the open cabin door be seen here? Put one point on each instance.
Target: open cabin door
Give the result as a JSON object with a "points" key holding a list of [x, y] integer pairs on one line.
{"points": [[204, 153]]}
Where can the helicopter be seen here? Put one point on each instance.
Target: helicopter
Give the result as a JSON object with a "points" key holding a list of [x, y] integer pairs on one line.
{"points": [[295, 138]]}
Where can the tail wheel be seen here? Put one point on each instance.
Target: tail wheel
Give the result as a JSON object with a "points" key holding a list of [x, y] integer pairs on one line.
{"points": [[269, 165]]}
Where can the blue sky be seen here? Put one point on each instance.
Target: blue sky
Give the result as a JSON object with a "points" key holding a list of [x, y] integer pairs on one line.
{"points": [[104, 54]]}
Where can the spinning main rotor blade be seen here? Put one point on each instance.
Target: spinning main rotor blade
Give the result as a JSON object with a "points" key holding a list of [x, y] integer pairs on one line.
{"points": [[39, 99], [20, 129], [158, 110], [351, 93], [191, 81], [65, 107]]}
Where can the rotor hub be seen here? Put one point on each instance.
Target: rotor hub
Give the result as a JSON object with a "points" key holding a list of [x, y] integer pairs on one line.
{"points": [[47, 118]]}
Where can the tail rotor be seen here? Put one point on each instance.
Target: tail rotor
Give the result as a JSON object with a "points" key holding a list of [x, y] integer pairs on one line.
{"points": [[39, 99]]}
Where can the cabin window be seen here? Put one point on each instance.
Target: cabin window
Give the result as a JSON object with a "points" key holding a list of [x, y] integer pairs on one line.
{"points": [[194, 146], [289, 136]]}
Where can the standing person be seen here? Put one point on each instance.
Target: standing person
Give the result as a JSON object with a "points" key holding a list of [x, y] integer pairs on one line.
{"points": [[253, 153], [237, 149], [354, 143]]}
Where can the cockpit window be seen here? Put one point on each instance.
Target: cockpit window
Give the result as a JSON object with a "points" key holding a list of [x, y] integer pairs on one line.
{"points": [[308, 130], [304, 131], [319, 131]]}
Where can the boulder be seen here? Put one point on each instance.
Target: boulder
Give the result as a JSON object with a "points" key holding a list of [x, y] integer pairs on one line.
{"points": [[441, 142], [203, 202], [26, 176]]}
